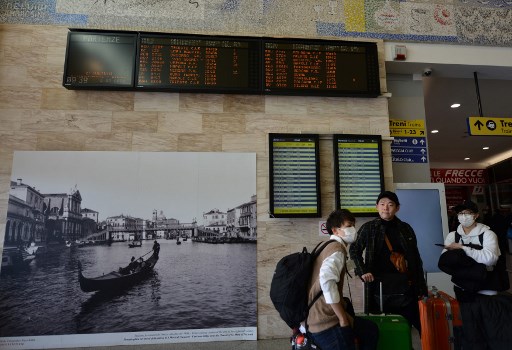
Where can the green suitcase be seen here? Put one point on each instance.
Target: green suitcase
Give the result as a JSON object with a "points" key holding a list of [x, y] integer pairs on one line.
{"points": [[394, 330]]}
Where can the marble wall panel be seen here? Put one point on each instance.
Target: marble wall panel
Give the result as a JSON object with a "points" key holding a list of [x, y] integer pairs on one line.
{"points": [[135, 121], [118, 141], [154, 142], [157, 101], [180, 122]]}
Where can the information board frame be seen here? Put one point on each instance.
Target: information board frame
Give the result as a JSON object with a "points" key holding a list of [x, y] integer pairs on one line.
{"points": [[371, 67], [289, 192], [253, 68], [360, 192], [79, 80]]}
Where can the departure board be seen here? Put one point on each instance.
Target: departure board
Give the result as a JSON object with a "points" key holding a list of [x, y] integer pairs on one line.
{"points": [[294, 175], [358, 172], [199, 63], [100, 60], [321, 67]]}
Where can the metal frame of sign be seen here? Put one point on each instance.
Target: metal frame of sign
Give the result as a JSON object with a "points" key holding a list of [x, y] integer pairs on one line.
{"points": [[358, 172], [294, 175]]}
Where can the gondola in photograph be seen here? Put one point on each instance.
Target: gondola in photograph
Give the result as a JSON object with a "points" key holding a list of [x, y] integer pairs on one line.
{"points": [[133, 273]]}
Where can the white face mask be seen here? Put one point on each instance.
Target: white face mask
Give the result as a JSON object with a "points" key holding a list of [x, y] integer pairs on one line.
{"points": [[466, 220], [350, 234]]}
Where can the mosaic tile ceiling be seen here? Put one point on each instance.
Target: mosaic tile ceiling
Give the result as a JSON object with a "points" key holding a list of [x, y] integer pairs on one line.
{"points": [[469, 22]]}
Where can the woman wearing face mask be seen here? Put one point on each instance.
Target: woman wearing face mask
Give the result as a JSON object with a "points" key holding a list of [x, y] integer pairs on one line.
{"points": [[330, 324]]}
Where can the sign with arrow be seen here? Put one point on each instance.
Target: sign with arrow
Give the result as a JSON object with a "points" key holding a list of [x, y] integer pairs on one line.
{"points": [[409, 144], [483, 126]]}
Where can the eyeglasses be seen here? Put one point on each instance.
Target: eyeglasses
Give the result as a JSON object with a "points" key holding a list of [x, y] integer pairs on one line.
{"points": [[466, 213]]}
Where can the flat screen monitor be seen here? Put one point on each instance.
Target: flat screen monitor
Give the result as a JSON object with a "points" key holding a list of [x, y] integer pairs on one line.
{"points": [[358, 172], [423, 206], [179, 62], [100, 60], [294, 175], [320, 67]]}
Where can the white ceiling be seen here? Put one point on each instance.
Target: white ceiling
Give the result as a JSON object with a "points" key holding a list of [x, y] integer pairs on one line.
{"points": [[450, 84]]}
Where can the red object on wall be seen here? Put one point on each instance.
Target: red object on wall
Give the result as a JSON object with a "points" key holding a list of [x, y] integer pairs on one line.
{"points": [[459, 177]]}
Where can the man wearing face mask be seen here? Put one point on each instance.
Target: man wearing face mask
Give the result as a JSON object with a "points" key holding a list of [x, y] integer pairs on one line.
{"points": [[331, 321], [473, 251], [476, 240]]}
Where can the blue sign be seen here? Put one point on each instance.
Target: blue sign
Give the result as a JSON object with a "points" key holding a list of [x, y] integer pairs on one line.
{"points": [[397, 151], [409, 142], [409, 159], [409, 150]]}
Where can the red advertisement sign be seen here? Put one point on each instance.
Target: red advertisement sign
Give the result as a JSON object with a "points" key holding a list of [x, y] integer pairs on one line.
{"points": [[459, 177]]}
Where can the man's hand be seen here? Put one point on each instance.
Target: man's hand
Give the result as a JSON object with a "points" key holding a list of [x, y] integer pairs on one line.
{"points": [[453, 246], [367, 277]]}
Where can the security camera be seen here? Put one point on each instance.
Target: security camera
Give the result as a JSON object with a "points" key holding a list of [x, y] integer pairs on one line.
{"points": [[427, 72]]}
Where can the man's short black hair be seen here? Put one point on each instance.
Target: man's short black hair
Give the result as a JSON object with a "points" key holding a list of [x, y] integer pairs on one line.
{"points": [[338, 217], [466, 205], [389, 195]]}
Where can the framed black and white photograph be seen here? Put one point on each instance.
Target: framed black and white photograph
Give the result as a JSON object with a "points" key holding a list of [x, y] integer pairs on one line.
{"points": [[126, 248]]}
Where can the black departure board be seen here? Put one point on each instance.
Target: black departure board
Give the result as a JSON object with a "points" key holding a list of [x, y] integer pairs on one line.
{"points": [[112, 60], [321, 67], [100, 60], [294, 175], [358, 172], [199, 63]]}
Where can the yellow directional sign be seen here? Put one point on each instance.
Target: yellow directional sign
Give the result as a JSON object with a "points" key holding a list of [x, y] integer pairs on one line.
{"points": [[407, 132], [411, 128], [407, 124], [490, 126]]}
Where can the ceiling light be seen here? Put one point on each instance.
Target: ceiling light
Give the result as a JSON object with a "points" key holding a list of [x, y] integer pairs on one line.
{"points": [[467, 158], [434, 131], [455, 105], [486, 147]]}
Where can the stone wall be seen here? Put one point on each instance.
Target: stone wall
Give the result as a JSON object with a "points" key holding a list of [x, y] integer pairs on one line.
{"points": [[37, 113]]}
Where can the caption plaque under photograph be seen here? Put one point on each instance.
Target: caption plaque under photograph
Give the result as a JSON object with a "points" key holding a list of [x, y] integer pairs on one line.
{"points": [[294, 175], [358, 172]]}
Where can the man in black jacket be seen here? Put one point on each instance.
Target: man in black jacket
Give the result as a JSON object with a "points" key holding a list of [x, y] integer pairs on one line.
{"points": [[377, 265]]}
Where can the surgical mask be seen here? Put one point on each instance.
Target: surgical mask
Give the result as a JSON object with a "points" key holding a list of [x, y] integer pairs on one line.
{"points": [[466, 220], [350, 234]]}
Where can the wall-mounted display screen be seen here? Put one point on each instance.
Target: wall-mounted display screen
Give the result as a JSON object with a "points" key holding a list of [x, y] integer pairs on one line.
{"points": [[100, 60], [294, 175], [220, 64], [198, 63], [321, 67], [358, 172]]}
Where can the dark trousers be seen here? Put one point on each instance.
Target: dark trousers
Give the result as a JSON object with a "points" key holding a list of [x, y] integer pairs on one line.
{"points": [[336, 338]]}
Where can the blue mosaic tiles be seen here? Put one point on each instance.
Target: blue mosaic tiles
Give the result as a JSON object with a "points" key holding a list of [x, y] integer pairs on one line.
{"points": [[37, 12], [473, 22]]}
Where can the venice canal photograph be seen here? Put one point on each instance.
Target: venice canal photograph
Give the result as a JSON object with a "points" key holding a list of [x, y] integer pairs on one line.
{"points": [[125, 248]]}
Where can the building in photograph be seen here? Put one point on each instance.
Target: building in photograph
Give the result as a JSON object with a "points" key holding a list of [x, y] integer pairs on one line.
{"points": [[215, 221], [63, 216], [25, 220], [247, 221]]}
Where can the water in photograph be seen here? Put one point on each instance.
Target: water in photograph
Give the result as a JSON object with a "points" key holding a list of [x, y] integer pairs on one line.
{"points": [[193, 286]]}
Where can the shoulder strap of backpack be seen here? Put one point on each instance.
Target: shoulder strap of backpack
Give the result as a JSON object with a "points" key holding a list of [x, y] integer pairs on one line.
{"points": [[480, 238], [317, 250]]}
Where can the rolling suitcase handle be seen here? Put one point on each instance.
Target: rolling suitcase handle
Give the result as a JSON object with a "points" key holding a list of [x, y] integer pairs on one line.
{"points": [[366, 298]]}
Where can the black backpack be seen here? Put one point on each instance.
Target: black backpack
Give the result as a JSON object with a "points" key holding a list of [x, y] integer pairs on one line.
{"points": [[497, 279], [289, 287]]}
